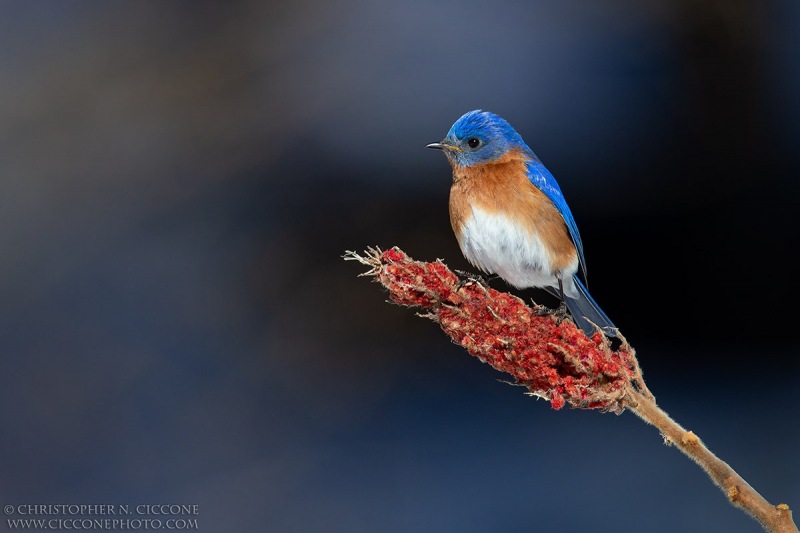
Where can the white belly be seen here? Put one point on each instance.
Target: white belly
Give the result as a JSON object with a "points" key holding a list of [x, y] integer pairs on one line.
{"points": [[495, 244]]}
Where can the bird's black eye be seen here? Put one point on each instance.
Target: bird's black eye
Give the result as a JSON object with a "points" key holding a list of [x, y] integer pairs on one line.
{"points": [[473, 142]]}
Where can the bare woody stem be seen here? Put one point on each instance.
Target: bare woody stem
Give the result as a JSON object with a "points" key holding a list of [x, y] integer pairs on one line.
{"points": [[774, 518]]}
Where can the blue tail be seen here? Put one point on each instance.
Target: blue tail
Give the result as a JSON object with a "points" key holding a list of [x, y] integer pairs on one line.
{"points": [[585, 312]]}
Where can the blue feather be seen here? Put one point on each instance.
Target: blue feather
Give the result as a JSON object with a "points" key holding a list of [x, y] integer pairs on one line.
{"points": [[543, 180]]}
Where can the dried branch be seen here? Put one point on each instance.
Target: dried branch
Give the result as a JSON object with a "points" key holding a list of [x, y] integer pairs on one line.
{"points": [[553, 358]]}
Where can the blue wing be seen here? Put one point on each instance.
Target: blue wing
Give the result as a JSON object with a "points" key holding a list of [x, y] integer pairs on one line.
{"points": [[545, 182]]}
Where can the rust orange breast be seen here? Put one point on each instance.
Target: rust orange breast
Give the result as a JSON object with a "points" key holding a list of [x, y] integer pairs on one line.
{"points": [[503, 187]]}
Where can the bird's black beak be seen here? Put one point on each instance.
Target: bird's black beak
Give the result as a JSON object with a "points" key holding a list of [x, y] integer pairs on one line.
{"points": [[444, 145]]}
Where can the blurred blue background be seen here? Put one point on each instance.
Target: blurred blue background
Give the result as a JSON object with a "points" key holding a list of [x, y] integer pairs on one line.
{"points": [[179, 179]]}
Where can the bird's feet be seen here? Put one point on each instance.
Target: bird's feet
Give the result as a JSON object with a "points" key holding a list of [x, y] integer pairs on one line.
{"points": [[560, 313], [465, 278]]}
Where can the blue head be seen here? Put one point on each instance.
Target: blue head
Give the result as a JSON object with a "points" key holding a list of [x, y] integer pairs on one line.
{"points": [[479, 137]]}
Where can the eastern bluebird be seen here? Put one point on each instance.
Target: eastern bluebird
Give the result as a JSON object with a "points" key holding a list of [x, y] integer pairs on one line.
{"points": [[510, 217]]}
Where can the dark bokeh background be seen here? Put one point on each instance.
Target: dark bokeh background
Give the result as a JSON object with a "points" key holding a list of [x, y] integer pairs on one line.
{"points": [[178, 181]]}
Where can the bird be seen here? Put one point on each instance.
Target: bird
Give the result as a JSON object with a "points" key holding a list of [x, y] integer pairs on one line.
{"points": [[511, 219]]}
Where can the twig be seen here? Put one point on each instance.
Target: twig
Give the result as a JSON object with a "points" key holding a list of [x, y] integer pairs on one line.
{"points": [[774, 518]]}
